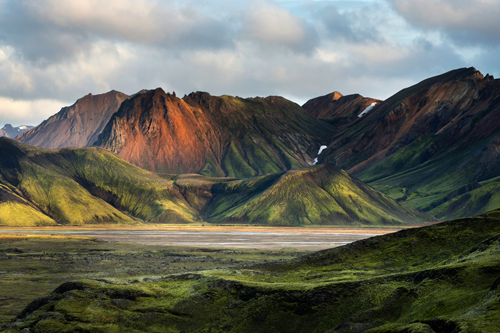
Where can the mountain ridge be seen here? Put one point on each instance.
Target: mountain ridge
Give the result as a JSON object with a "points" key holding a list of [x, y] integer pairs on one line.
{"points": [[339, 109], [211, 135]]}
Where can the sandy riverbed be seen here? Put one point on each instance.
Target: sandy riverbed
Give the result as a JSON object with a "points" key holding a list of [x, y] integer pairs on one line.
{"points": [[249, 237]]}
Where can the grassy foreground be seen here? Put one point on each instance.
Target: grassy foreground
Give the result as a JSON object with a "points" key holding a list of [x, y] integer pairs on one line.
{"points": [[31, 266], [439, 278]]}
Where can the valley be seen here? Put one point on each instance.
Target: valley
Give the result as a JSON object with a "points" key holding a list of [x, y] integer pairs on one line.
{"points": [[439, 278]]}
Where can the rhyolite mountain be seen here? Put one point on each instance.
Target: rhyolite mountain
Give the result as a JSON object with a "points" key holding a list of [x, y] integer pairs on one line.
{"points": [[77, 125], [442, 278], [339, 109], [11, 132], [434, 145], [217, 136], [75, 186]]}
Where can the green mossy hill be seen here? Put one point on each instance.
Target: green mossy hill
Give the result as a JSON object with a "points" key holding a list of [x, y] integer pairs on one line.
{"points": [[82, 186], [442, 278], [430, 146], [459, 183], [261, 135], [319, 195]]}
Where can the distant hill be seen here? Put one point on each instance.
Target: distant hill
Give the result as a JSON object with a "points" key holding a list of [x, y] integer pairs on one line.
{"points": [[11, 132], [81, 186], [216, 136], [76, 186], [323, 194], [77, 125], [434, 145]]}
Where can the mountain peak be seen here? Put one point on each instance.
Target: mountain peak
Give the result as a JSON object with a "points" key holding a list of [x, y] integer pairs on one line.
{"points": [[336, 105], [336, 95], [77, 125], [11, 132]]}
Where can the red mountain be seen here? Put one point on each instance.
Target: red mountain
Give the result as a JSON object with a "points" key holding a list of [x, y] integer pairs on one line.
{"points": [[214, 135]]}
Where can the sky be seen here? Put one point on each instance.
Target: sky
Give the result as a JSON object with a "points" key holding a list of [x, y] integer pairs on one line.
{"points": [[53, 52]]}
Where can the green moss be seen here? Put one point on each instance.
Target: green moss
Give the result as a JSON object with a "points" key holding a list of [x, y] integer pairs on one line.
{"points": [[235, 165]]}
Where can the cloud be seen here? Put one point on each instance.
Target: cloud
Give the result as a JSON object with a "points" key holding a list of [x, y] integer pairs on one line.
{"points": [[48, 31], [62, 50], [24, 112], [355, 26], [272, 26], [465, 22]]}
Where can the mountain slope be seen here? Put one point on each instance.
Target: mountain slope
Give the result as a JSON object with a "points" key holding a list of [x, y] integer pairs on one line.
{"points": [[218, 136], [338, 109], [91, 185], [440, 278], [82, 186], [12, 132], [319, 195], [77, 125], [428, 143]]}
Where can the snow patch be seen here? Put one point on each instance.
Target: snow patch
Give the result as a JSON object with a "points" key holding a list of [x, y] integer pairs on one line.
{"points": [[368, 109], [22, 127], [319, 152]]}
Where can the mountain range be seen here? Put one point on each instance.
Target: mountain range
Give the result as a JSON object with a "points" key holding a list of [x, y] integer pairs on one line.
{"points": [[11, 132], [433, 147]]}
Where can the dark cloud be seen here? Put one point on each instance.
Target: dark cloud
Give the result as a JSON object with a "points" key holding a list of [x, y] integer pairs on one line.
{"points": [[355, 26], [464, 22], [50, 31]]}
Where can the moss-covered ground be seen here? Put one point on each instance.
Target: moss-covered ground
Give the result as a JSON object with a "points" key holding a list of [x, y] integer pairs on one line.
{"points": [[442, 278], [31, 266]]}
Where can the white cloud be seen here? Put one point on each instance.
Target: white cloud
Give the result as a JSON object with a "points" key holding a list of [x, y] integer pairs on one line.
{"points": [[464, 21], [62, 50], [273, 26], [24, 112], [47, 31], [13, 74]]}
